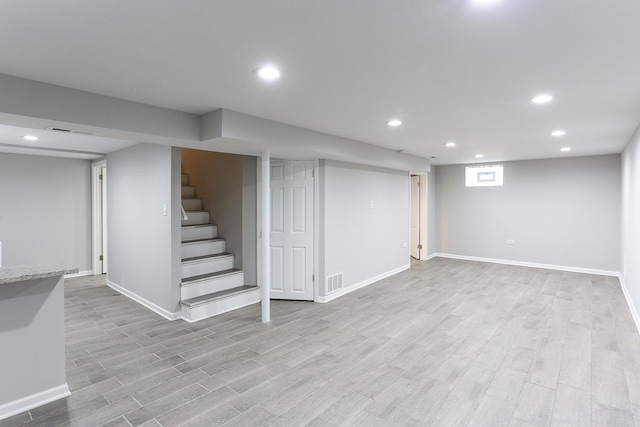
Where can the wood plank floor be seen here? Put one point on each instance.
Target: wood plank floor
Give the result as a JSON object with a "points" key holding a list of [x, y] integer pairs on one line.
{"points": [[446, 343]]}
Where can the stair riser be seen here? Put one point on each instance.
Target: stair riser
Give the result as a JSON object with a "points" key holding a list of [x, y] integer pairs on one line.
{"points": [[215, 284], [196, 268], [196, 218], [192, 204], [190, 250], [188, 192], [197, 233], [219, 306], [184, 179]]}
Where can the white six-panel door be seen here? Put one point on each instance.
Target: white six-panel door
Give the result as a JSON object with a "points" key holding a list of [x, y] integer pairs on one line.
{"points": [[292, 229]]}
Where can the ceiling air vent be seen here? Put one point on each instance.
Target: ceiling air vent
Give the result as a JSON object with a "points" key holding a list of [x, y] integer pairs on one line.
{"points": [[65, 130]]}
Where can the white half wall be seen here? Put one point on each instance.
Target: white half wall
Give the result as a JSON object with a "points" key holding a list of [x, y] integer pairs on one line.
{"points": [[45, 215], [563, 212], [142, 242], [364, 222], [630, 229]]}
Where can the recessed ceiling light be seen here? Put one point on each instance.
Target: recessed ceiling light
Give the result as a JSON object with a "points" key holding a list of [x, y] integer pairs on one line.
{"points": [[565, 149], [541, 99], [558, 132], [30, 137], [268, 73], [479, 156], [450, 144], [394, 122]]}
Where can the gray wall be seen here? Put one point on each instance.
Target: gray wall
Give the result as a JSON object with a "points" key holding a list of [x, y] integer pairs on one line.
{"points": [[143, 244], [630, 230], [227, 185], [45, 210], [563, 212], [356, 240]]}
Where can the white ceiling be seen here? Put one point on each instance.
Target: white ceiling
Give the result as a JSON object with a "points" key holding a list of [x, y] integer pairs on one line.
{"points": [[450, 69]]}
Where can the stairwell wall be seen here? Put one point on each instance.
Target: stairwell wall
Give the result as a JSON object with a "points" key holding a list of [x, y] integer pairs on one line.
{"points": [[45, 214], [143, 243], [227, 184]]}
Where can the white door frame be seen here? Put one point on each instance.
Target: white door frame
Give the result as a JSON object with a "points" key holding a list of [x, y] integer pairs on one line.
{"points": [[98, 218], [316, 241], [424, 204]]}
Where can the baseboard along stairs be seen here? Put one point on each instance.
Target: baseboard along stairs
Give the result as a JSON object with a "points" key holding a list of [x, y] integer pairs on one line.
{"points": [[211, 284]]}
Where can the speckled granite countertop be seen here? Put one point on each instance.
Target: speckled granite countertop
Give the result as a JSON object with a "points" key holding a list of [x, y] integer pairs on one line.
{"points": [[21, 273]]}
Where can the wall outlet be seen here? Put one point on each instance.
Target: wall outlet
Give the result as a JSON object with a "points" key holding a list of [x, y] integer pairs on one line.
{"points": [[404, 245], [371, 205], [511, 242]]}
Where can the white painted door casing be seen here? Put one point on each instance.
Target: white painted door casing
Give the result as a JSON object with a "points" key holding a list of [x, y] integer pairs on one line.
{"points": [[415, 216]]}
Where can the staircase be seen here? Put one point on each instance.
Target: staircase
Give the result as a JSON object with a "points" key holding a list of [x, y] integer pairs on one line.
{"points": [[211, 284]]}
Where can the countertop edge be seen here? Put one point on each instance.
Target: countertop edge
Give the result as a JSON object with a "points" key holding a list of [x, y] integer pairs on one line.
{"points": [[21, 273]]}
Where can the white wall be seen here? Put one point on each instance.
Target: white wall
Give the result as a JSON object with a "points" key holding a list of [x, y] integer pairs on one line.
{"points": [[361, 242], [45, 210], [630, 229], [562, 212], [143, 244], [227, 185]]}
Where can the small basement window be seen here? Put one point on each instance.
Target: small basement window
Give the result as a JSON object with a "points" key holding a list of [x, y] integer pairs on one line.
{"points": [[483, 176]]}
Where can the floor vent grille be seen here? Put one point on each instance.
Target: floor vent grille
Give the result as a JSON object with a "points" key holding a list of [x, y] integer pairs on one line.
{"points": [[334, 283]]}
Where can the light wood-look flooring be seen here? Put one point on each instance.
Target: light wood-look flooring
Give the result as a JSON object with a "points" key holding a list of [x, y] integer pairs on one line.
{"points": [[446, 343]]}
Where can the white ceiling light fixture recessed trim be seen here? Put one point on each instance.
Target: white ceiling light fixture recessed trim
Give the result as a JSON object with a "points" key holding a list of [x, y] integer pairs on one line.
{"points": [[268, 72], [558, 133], [30, 137], [543, 98], [565, 149], [394, 122], [479, 156], [450, 144]]}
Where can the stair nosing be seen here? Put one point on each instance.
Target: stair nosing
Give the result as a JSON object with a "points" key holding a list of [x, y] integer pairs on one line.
{"points": [[199, 225], [187, 281], [202, 257], [194, 302], [209, 239]]}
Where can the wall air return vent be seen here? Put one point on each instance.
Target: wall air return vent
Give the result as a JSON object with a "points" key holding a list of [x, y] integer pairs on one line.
{"points": [[334, 283], [66, 130]]}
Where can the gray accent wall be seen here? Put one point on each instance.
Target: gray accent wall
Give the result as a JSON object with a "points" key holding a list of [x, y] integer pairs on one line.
{"points": [[143, 244], [45, 210], [630, 229], [562, 212], [356, 240], [227, 184]]}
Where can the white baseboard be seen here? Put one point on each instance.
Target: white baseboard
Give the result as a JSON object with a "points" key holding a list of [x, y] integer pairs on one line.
{"points": [[532, 264], [430, 256], [79, 274], [26, 403], [151, 306], [632, 307], [362, 284]]}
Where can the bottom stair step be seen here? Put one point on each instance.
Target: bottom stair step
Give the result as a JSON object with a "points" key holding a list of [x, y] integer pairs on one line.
{"points": [[210, 305]]}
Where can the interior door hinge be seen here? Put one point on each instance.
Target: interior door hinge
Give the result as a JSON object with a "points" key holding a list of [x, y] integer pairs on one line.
{"points": [[100, 176], [419, 246], [101, 258], [313, 278]]}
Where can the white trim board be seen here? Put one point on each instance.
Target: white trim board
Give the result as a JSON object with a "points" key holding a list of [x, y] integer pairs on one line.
{"points": [[531, 264], [33, 401], [148, 304], [362, 284], [79, 274], [632, 307]]}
